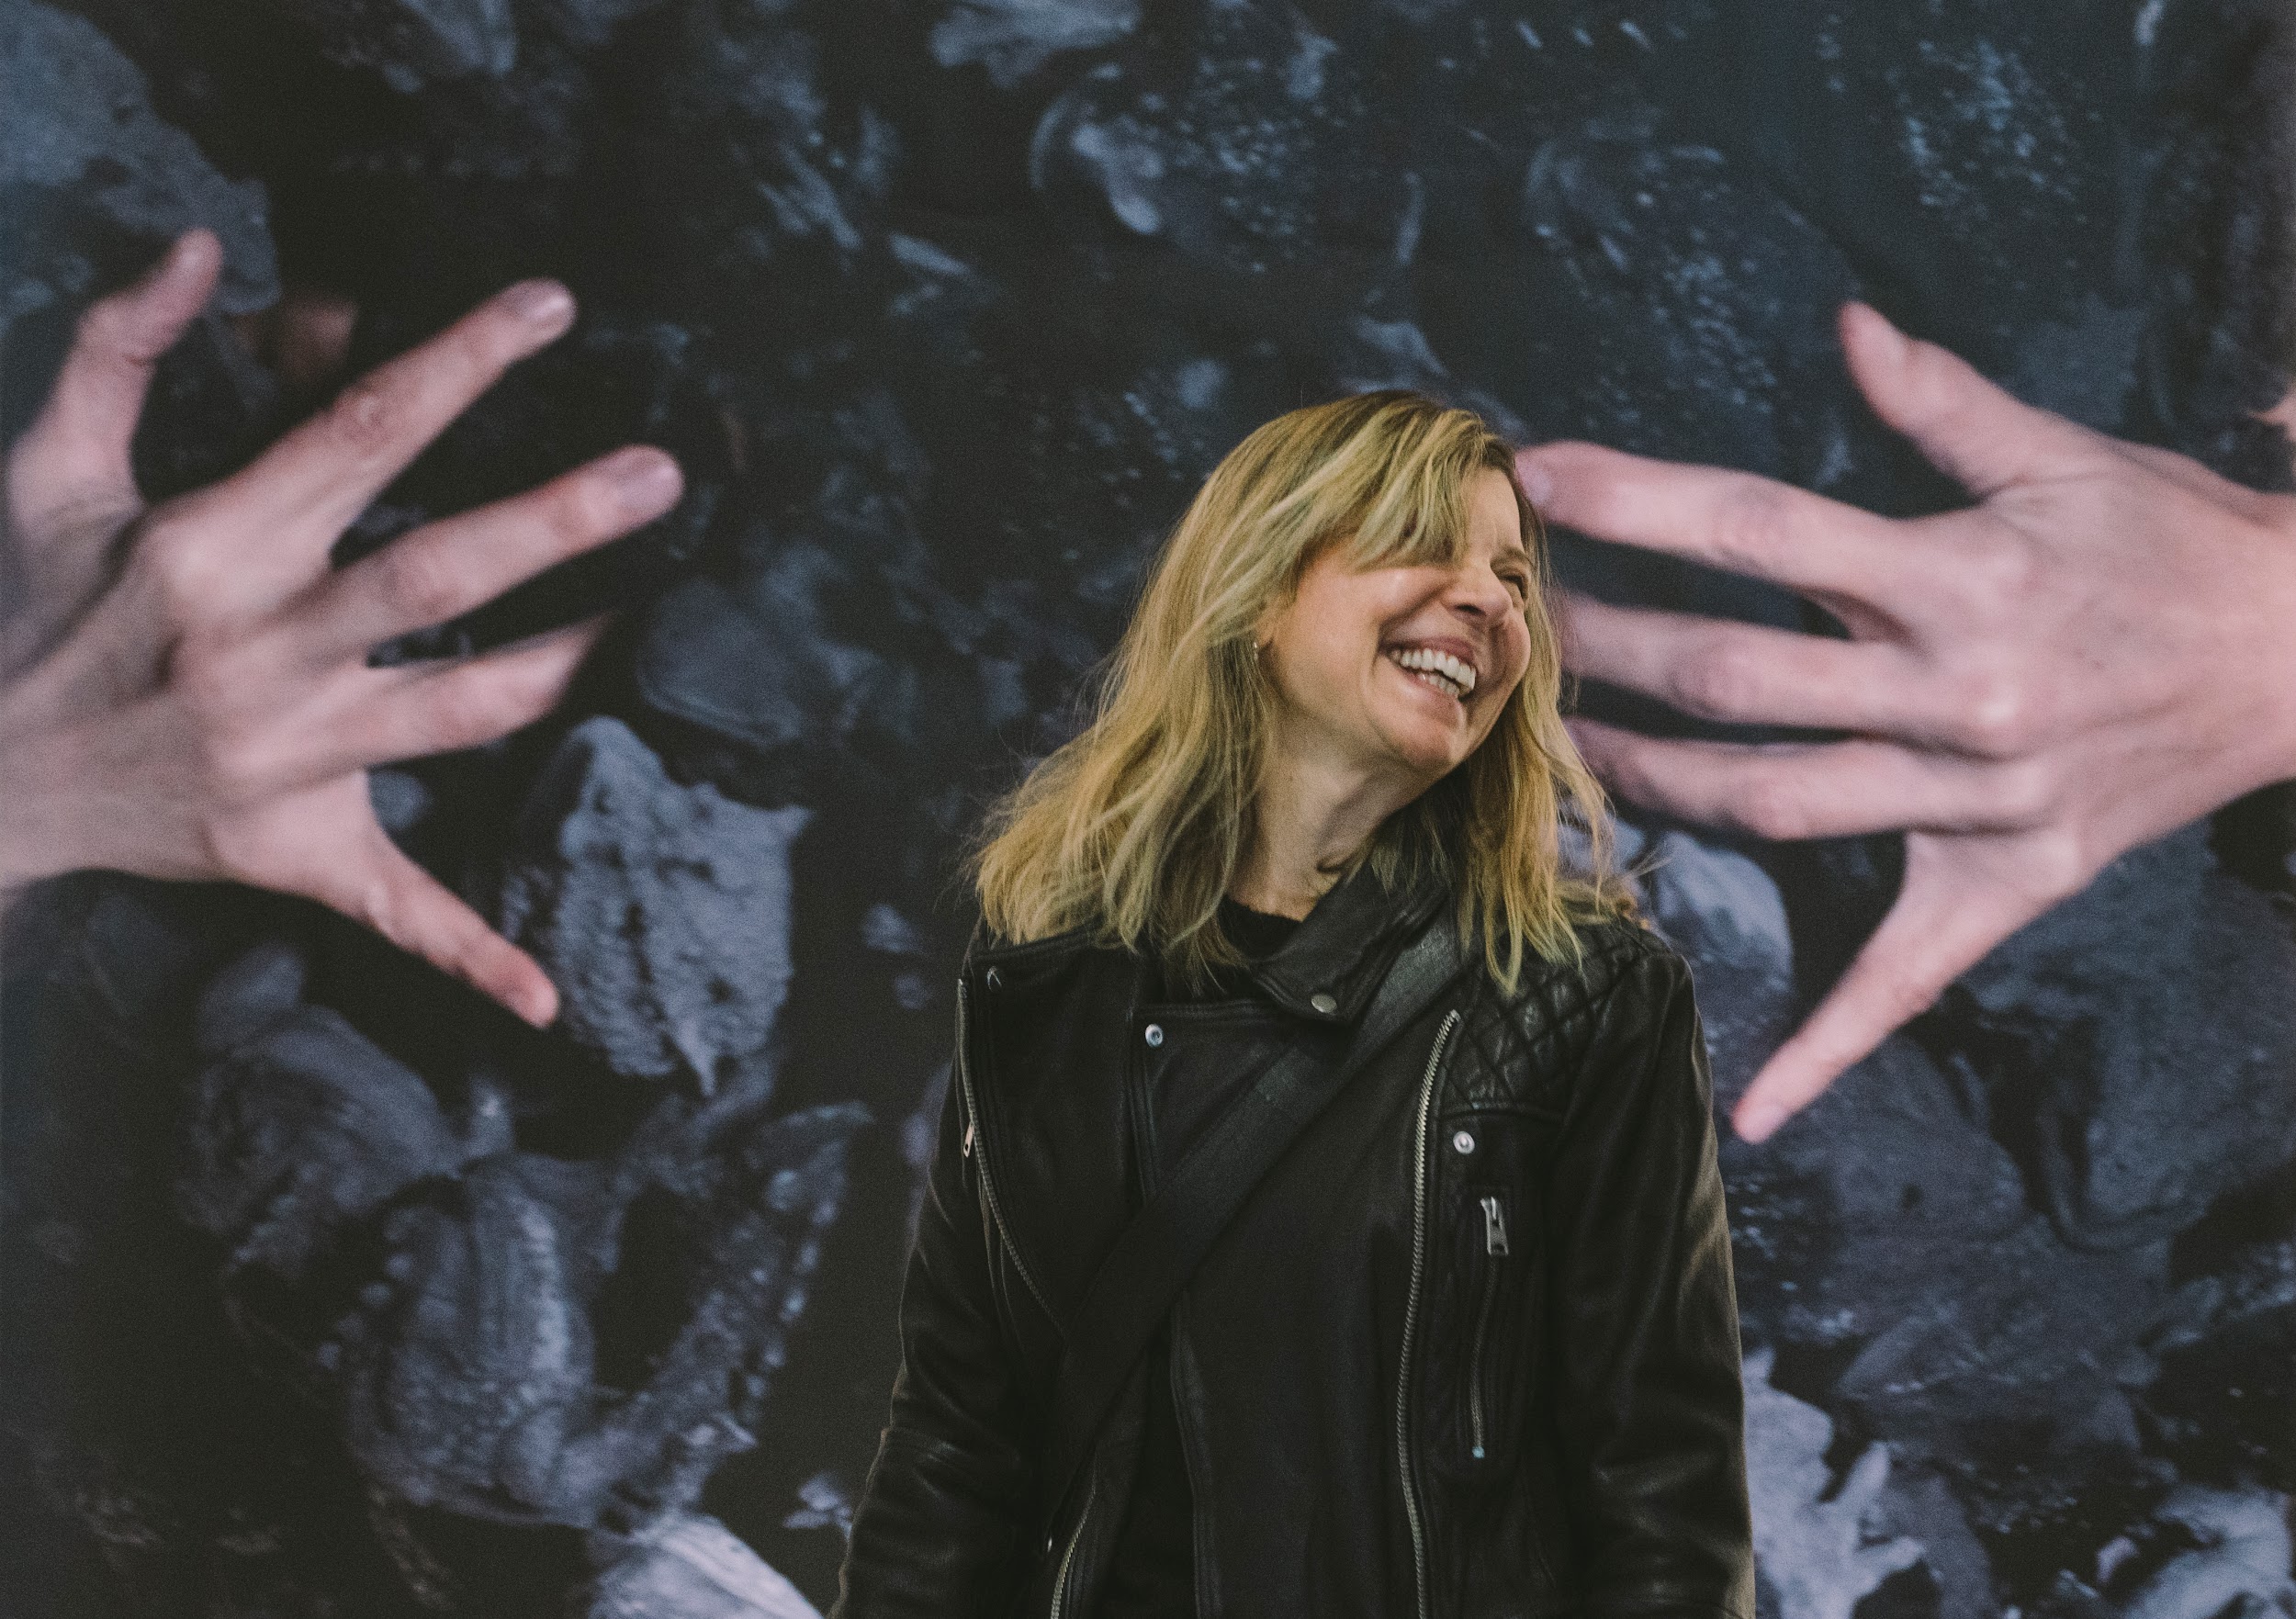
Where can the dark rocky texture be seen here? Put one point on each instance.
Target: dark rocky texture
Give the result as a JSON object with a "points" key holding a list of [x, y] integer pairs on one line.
{"points": [[328, 1289], [582, 1343], [300, 1125], [91, 179], [410, 42]]}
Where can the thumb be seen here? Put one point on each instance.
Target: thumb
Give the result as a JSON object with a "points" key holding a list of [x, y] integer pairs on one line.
{"points": [[415, 910], [76, 452], [1944, 921], [1974, 432]]}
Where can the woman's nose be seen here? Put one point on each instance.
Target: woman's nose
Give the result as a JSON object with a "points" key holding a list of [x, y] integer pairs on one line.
{"points": [[1479, 592]]}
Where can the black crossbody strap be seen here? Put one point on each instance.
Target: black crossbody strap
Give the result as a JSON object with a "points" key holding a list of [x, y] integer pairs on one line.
{"points": [[1155, 1253]]}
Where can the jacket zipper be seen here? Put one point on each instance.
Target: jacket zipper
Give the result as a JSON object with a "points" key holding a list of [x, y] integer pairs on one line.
{"points": [[1494, 1249], [1410, 1316], [977, 1150], [1060, 1580]]}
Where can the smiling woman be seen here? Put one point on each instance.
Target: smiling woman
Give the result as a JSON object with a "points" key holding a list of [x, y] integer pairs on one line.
{"points": [[1325, 1217], [1351, 608]]}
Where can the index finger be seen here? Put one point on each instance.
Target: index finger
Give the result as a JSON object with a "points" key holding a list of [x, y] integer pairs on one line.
{"points": [[320, 476], [1734, 521], [1943, 923]]}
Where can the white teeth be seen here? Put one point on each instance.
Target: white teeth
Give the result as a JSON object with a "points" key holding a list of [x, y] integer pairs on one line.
{"points": [[1440, 669]]}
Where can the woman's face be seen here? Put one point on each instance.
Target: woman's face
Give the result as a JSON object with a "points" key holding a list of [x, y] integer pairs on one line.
{"points": [[1401, 672]]}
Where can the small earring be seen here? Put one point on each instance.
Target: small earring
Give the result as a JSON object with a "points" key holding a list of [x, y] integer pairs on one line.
{"points": [[1260, 650]]}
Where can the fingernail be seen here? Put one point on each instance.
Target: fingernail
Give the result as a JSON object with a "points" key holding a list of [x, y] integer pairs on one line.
{"points": [[645, 480], [539, 1007], [1537, 482], [1756, 1122], [1894, 341], [544, 304], [180, 255]]}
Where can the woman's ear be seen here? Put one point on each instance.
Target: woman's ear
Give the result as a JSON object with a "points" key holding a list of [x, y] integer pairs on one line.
{"points": [[1279, 602], [1264, 626]]}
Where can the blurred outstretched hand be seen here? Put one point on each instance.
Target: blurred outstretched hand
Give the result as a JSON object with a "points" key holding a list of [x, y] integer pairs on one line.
{"points": [[2098, 650], [184, 690]]}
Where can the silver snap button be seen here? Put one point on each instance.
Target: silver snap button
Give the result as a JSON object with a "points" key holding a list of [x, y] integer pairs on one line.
{"points": [[1323, 1002], [1154, 1034], [1463, 1141]]}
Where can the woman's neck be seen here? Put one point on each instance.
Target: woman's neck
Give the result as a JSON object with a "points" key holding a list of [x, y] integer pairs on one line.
{"points": [[1312, 815]]}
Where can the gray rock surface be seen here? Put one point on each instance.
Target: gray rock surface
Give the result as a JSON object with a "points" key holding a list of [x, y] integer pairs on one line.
{"points": [[478, 1376], [88, 168], [299, 1128], [662, 911], [696, 1568]]}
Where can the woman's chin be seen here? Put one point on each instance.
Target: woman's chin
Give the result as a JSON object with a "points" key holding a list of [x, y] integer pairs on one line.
{"points": [[1429, 750]]}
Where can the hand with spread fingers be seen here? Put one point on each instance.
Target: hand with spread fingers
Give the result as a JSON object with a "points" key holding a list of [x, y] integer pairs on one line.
{"points": [[2099, 650], [184, 690]]}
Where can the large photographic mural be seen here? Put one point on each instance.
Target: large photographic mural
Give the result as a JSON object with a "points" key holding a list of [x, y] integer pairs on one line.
{"points": [[331, 1289]]}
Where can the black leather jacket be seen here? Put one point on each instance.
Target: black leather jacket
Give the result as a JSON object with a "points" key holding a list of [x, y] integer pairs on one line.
{"points": [[1471, 1348]]}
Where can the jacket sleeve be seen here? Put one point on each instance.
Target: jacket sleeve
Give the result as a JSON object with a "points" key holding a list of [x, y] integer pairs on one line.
{"points": [[1650, 1406], [939, 1527]]}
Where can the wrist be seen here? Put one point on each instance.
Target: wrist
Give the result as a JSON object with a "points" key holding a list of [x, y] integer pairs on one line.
{"points": [[45, 830]]}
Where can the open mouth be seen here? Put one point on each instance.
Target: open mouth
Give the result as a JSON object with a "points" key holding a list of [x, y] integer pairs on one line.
{"points": [[1439, 672]]}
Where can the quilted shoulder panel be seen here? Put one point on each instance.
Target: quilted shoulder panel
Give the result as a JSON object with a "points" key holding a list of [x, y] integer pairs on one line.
{"points": [[1519, 1051]]}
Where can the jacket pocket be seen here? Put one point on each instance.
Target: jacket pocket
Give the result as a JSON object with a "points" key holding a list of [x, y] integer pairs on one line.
{"points": [[1495, 1508], [1484, 1365], [1480, 1398], [1495, 1350]]}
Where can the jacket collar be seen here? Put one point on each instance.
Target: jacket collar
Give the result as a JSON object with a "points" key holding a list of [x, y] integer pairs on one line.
{"points": [[1327, 971], [1332, 965]]}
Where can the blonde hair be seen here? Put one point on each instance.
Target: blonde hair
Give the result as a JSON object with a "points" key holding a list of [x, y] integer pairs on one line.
{"points": [[1138, 826]]}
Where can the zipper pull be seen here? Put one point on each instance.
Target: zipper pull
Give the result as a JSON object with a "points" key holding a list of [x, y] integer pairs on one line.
{"points": [[967, 1153], [1494, 1225]]}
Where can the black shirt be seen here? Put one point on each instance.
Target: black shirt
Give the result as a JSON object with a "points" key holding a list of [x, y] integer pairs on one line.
{"points": [[1152, 1570]]}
